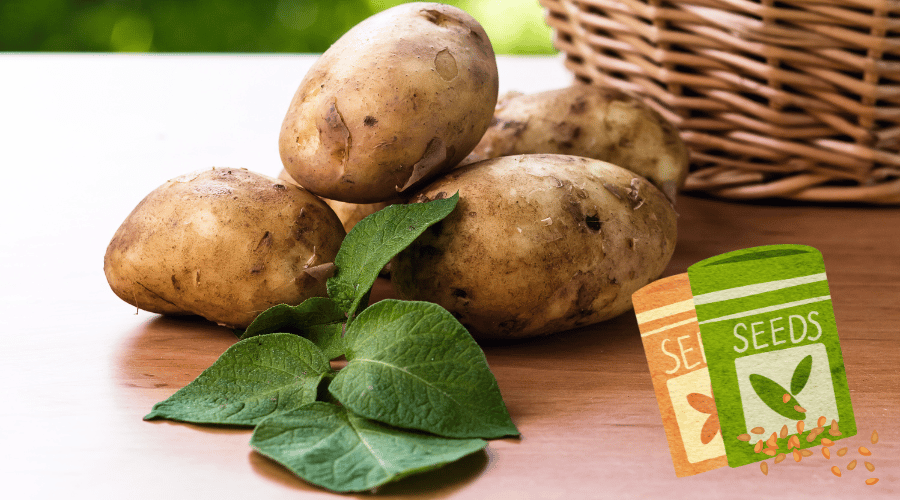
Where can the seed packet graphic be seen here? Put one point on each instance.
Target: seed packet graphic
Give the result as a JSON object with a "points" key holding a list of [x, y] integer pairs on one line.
{"points": [[772, 349], [669, 331]]}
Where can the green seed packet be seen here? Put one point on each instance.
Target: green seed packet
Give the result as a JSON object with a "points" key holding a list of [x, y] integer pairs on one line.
{"points": [[772, 349]]}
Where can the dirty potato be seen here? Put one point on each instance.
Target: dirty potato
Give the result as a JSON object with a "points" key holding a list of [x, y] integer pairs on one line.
{"points": [[400, 98], [224, 244], [589, 121], [538, 244]]}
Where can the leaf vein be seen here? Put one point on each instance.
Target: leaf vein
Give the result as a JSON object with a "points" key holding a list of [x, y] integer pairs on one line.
{"points": [[417, 377], [381, 463]]}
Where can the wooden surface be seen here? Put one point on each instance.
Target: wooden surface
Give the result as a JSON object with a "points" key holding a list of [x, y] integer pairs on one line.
{"points": [[84, 138]]}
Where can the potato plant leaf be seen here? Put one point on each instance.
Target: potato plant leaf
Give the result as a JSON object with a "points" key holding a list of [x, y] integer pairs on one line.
{"points": [[771, 393], [253, 379], [413, 365], [801, 375], [373, 242], [318, 319], [335, 449]]}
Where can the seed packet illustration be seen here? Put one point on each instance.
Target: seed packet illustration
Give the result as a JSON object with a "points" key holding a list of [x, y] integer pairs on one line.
{"points": [[772, 348], [669, 331]]}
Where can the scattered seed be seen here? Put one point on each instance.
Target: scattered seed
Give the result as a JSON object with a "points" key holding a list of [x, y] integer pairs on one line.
{"points": [[758, 447], [793, 442], [800, 427], [797, 456], [871, 481], [836, 471], [764, 467], [770, 451], [744, 437], [874, 438], [779, 458], [785, 398], [812, 436], [806, 453], [864, 451], [772, 441], [842, 451], [870, 466], [834, 428], [835, 433], [821, 422], [826, 453], [827, 442], [800, 408], [758, 430], [851, 465], [784, 432]]}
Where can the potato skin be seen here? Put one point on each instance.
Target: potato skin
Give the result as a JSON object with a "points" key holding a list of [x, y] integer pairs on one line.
{"points": [[400, 98], [349, 213], [538, 244], [589, 121], [224, 244]]}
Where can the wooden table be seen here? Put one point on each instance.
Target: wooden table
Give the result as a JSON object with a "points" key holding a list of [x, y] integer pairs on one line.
{"points": [[83, 138]]}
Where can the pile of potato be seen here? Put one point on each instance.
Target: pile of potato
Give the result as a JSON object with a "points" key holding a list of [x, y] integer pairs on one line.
{"points": [[566, 197]]}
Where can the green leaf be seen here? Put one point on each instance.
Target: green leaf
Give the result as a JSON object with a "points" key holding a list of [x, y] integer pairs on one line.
{"points": [[413, 365], [251, 380], [333, 448], [373, 242], [801, 375], [771, 393], [318, 319]]}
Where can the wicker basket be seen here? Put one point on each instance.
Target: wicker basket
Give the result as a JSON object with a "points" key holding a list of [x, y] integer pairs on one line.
{"points": [[792, 99]]}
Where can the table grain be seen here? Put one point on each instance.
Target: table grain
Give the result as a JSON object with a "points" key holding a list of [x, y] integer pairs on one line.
{"points": [[85, 137]]}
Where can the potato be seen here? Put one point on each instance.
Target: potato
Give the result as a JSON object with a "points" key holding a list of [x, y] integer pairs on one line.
{"points": [[224, 244], [349, 213], [538, 244], [403, 96], [589, 121]]}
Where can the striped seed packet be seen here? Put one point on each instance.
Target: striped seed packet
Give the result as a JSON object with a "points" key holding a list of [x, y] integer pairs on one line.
{"points": [[771, 344], [668, 324]]}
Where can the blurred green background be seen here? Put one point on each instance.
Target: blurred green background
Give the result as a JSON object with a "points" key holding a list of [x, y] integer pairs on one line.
{"points": [[247, 26]]}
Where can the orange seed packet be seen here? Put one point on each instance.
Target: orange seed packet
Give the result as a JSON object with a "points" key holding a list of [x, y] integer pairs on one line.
{"points": [[671, 335]]}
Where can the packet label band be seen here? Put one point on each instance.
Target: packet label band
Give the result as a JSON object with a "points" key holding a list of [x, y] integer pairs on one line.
{"points": [[772, 348]]}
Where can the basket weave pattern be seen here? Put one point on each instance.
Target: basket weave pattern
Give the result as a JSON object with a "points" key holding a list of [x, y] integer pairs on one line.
{"points": [[793, 99]]}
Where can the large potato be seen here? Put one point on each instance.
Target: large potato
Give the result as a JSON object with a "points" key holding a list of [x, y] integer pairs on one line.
{"points": [[589, 121], [225, 244], [538, 244], [401, 97]]}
